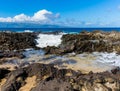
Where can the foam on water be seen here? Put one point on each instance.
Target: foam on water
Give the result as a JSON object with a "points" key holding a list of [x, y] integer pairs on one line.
{"points": [[30, 31], [108, 58], [30, 52], [100, 58], [45, 40], [96, 61]]}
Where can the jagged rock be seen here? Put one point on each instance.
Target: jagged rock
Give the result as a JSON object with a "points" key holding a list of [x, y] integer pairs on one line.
{"points": [[116, 70], [17, 41], [53, 85], [50, 78], [16, 79], [12, 83], [87, 42], [3, 73], [78, 43], [5, 55]]}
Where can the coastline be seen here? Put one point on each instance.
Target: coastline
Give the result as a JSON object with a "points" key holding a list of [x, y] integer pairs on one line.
{"points": [[75, 57]]}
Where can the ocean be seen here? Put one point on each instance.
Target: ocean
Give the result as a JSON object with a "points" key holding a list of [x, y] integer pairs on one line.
{"points": [[66, 30]]}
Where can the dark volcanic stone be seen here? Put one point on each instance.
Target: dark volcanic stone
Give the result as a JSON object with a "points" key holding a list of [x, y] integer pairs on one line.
{"points": [[116, 70], [87, 42], [17, 41], [3, 73], [53, 85], [53, 79], [40, 70], [13, 84]]}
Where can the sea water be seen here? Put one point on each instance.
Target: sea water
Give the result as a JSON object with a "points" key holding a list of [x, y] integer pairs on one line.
{"points": [[66, 30]]}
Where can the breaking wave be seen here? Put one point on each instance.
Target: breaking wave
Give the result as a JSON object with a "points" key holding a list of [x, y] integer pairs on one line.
{"points": [[45, 40]]}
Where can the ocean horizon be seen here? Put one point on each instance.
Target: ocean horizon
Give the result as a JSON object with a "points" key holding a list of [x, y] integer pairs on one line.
{"points": [[66, 30]]}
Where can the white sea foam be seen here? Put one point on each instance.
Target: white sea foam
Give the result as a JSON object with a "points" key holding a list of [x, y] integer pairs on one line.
{"points": [[30, 52], [28, 31], [45, 40], [111, 59], [108, 58]]}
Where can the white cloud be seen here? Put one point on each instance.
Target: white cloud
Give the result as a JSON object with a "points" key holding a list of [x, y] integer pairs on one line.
{"points": [[40, 16], [8, 19], [21, 18], [88, 23]]}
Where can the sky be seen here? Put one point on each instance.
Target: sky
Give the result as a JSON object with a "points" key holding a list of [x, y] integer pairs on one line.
{"points": [[71, 13]]}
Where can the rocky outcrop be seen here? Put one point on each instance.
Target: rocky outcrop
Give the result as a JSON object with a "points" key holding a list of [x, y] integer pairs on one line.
{"points": [[17, 41], [7, 56], [49, 78], [3, 73], [83, 42], [87, 42], [53, 85], [16, 79]]}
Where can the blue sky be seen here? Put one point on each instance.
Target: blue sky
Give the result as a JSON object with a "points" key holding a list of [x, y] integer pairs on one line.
{"points": [[73, 13]]}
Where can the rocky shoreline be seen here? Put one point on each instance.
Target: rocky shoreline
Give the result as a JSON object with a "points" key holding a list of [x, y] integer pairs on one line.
{"points": [[17, 41], [48, 78], [36, 76], [96, 41]]}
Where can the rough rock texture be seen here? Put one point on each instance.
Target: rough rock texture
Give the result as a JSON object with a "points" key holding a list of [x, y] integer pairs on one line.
{"points": [[16, 78], [49, 78], [78, 43], [53, 85], [3, 73], [87, 42], [17, 41], [6, 56]]}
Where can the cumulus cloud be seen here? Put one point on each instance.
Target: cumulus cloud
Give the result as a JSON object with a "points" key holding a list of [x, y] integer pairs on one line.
{"points": [[40, 16]]}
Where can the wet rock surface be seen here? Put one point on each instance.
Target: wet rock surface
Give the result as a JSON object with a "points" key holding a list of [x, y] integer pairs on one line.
{"points": [[49, 78], [7, 56], [87, 42]]}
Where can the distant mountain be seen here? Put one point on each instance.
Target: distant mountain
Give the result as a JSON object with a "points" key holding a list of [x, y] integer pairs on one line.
{"points": [[27, 25]]}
